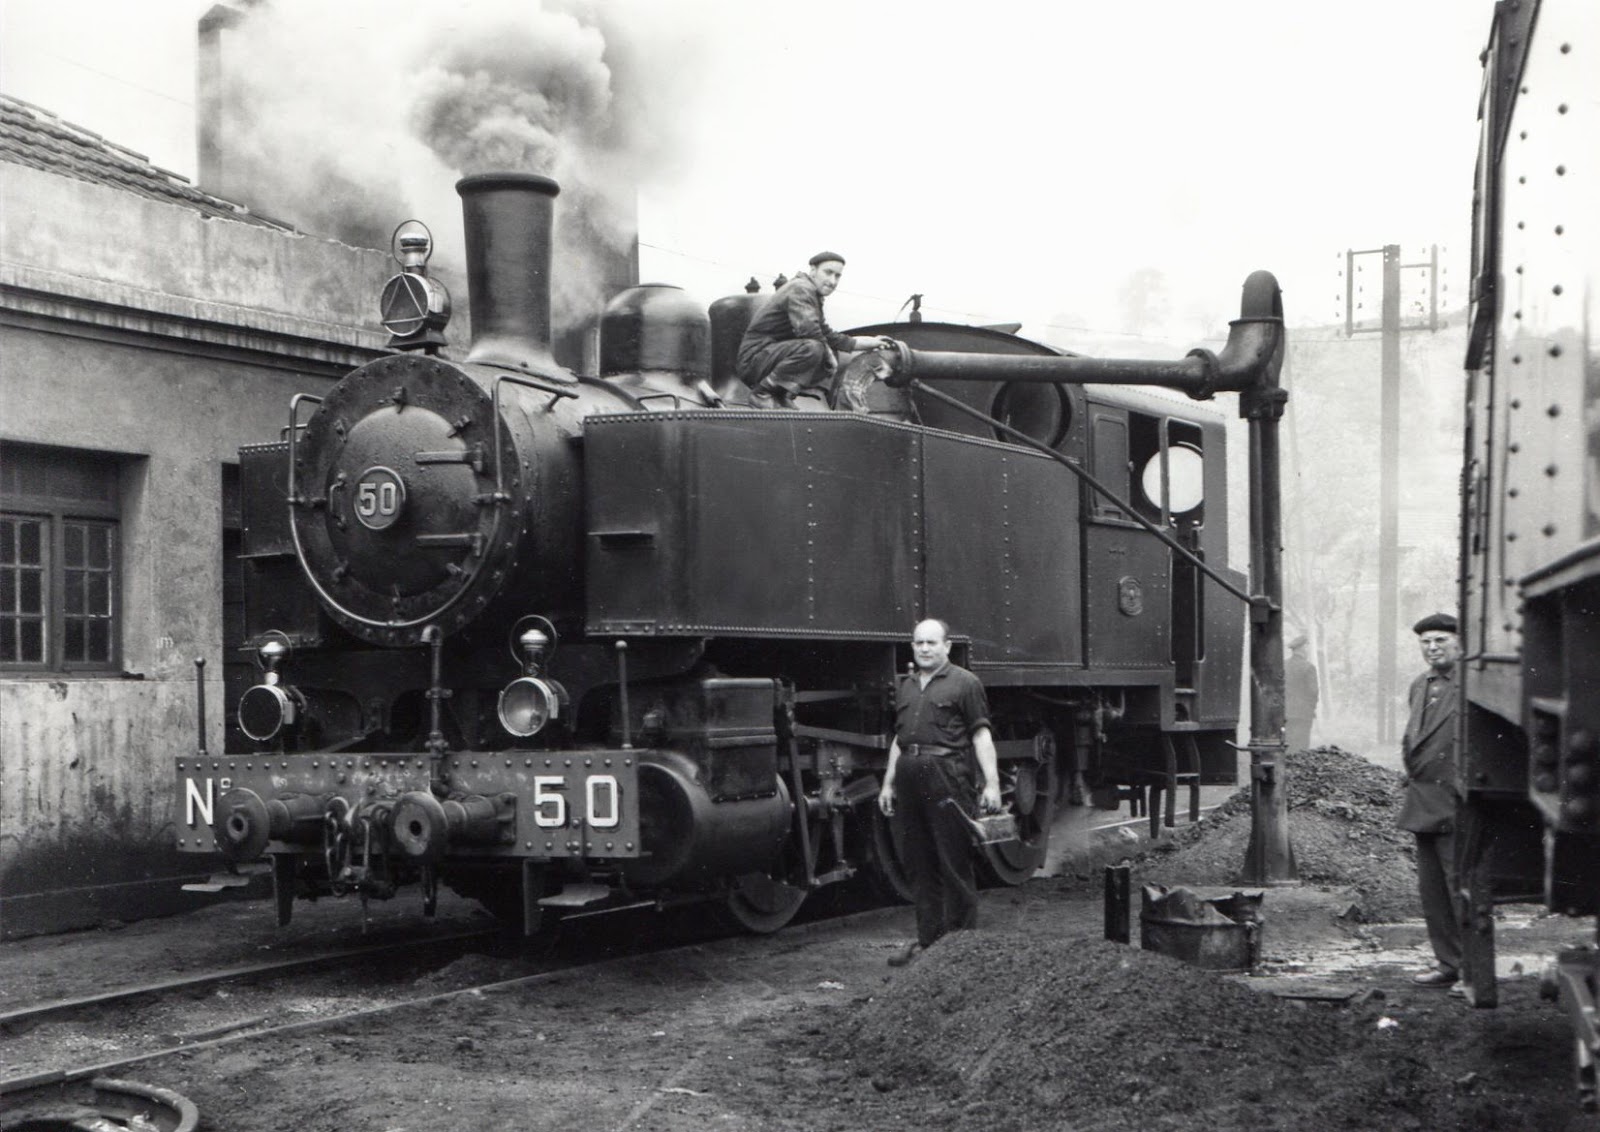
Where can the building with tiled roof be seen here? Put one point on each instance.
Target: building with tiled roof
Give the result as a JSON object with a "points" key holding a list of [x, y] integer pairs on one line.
{"points": [[32, 136], [147, 329]]}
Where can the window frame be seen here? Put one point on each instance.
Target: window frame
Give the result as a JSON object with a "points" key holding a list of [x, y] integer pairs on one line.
{"points": [[57, 513]]}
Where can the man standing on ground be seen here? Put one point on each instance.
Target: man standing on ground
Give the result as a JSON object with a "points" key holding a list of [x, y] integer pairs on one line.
{"points": [[1299, 696], [942, 737], [789, 346], [1429, 807]]}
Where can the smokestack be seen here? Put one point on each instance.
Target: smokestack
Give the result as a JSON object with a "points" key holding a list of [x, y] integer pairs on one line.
{"points": [[508, 221], [218, 47]]}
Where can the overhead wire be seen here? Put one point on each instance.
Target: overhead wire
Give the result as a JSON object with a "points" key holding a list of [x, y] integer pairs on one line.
{"points": [[980, 318]]}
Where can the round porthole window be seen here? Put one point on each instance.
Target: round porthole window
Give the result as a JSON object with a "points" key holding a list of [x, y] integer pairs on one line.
{"points": [[1186, 486]]}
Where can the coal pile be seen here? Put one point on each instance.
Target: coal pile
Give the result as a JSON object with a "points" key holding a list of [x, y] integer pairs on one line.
{"points": [[1342, 811], [1003, 1030]]}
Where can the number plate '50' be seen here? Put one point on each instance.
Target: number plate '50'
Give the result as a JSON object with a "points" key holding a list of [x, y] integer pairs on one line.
{"points": [[380, 496], [602, 801]]}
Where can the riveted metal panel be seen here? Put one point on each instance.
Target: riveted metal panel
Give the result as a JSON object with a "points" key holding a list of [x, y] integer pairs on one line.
{"points": [[1217, 671], [1551, 305], [633, 514], [1533, 476], [753, 524], [276, 593], [1003, 560], [1127, 596], [597, 790]]}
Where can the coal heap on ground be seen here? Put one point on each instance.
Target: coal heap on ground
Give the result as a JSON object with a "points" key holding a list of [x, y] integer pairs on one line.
{"points": [[1342, 810], [1014, 1032]]}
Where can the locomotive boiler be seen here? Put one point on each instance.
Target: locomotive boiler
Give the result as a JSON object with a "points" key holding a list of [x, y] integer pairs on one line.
{"points": [[1530, 553], [577, 642]]}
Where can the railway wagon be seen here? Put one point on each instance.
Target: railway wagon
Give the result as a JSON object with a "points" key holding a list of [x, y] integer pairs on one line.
{"points": [[570, 642], [1530, 550]]}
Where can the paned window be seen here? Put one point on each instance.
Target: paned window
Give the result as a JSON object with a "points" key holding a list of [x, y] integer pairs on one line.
{"points": [[60, 560]]}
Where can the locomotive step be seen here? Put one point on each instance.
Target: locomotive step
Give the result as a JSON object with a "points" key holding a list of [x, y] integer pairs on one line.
{"points": [[220, 881], [576, 896]]}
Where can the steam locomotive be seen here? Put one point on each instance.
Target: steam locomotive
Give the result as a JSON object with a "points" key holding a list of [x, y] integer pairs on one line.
{"points": [[1530, 553], [565, 642]]}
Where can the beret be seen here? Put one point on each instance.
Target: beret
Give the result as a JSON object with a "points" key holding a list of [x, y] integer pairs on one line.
{"points": [[824, 257], [1298, 641], [1435, 623]]}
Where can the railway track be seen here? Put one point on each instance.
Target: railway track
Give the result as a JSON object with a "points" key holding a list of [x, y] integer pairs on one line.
{"points": [[25, 1015], [48, 1088], [135, 1025], [86, 1088]]}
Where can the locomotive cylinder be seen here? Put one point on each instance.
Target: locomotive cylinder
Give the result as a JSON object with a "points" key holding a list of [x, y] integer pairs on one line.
{"points": [[689, 838], [507, 219]]}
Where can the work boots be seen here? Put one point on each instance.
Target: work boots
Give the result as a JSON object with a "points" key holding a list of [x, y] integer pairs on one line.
{"points": [[767, 395]]}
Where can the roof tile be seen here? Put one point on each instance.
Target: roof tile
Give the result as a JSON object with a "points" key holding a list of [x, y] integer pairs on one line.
{"points": [[37, 138]]}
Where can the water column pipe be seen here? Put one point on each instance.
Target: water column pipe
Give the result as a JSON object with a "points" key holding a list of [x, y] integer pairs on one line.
{"points": [[1249, 365]]}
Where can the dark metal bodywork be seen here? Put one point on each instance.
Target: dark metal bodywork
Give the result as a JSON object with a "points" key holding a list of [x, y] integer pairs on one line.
{"points": [[1530, 549], [719, 596]]}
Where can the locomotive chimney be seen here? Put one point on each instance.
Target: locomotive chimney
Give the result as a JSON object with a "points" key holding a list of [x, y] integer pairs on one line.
{"points": [[507, 219]]}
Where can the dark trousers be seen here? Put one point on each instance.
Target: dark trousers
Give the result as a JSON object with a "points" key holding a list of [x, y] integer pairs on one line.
{"points": [[934, 841], [792, 365], [1436, 881]]}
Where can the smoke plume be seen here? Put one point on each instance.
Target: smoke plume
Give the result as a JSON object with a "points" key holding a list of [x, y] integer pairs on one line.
{"points": [[346, 119]]}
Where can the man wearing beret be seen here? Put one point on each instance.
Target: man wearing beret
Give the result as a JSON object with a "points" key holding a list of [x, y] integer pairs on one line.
{"points": [[789, 346], [1429, 807]]}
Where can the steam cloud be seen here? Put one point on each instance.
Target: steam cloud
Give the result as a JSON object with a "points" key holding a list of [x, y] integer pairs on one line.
{"points": [[345, 119]]}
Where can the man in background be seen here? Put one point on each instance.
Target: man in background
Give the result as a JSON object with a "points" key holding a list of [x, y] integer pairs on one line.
{"points": [[1428, 809], [1299, 696]]}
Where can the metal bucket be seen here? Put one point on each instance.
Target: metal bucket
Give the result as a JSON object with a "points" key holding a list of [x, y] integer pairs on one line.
{"points": [[1220, 934]]}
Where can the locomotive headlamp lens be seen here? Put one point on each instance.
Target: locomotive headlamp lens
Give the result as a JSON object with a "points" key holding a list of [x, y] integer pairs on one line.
{"points": [[526, 705], [264, 711]]}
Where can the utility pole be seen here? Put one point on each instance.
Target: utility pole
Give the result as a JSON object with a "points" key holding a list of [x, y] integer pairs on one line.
{"points": [[1389, 458]]}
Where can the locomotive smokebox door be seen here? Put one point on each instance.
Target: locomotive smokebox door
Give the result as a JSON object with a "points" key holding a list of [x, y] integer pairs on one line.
{"points": [[389, 511]]}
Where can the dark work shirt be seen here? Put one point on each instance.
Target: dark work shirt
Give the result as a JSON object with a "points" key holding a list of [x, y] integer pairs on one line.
{"points": [[945, 713], [793, 311]]}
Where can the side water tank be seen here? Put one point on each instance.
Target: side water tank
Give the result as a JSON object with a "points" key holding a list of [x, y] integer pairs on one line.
{"points": [[655, 327], [730, 318]]}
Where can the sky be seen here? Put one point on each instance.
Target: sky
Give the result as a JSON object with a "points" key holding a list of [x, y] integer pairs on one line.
{"points": [[1105, 174]]}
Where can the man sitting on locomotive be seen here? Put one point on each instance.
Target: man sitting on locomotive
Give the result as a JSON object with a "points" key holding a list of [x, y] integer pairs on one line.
{"points": [[941, 723], [789, 346]]}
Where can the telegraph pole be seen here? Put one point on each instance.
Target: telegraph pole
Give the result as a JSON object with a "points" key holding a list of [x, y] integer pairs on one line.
{"points": [[1389, 458]]}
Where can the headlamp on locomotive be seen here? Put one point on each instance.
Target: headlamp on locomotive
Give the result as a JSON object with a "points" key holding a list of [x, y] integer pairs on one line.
{"points": [[530, 701]]}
